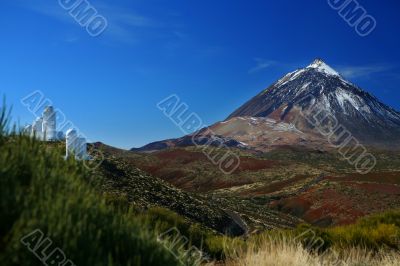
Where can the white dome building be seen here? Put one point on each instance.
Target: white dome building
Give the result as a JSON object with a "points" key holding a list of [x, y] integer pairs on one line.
{"points": [[45, 128], [71, 143], [75, 145], [49, 124], [37, 128], [28, 130], [82, 148]]}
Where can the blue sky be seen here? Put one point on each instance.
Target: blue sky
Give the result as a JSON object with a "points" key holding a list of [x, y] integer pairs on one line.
{"points": [[214, 55]]}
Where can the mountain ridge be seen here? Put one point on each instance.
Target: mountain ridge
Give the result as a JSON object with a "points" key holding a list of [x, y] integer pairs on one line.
{"points": [[292, 102], [329, 92]]}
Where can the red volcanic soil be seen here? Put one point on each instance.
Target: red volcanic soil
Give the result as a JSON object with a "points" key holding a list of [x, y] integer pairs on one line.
{"points": [[276, 115], [383, 177], [339, 208], [322, 209], [180, 156], [288, 118], [345, 200], [177, 166], [378, 188], [253, 164], [295, 206], [186, 157]]}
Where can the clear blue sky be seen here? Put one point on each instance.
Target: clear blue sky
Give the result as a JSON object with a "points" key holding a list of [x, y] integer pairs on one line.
{"points": [[214, 54]]}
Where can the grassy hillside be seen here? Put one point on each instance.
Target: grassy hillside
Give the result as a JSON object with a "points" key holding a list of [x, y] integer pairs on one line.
{"points": [[114, 215], [218, 213], [372, 241], [41, 190], [318, 187], [119, 179]]}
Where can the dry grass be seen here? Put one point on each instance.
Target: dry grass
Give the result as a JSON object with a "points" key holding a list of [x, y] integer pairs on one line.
{"points": [[282, 252]]}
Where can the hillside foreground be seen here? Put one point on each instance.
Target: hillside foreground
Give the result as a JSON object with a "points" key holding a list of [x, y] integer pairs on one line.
{"points": [[118, 214]]}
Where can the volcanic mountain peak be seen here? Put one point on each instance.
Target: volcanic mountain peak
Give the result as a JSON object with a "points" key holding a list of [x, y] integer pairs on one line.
{"points": [[298, 95], [321, 66], [292, 103]]}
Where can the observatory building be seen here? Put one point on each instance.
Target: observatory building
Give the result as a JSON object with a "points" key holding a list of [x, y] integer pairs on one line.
{"points": [[49, 124], [45, 128], [75, 145], [37, 128]]}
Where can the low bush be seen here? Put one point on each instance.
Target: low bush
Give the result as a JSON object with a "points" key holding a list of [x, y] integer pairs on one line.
{"points": [[41, 190]]}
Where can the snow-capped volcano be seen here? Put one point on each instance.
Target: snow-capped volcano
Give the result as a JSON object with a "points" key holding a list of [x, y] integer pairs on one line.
{"points": [[281, 115], [320, 66], [299, 94]]}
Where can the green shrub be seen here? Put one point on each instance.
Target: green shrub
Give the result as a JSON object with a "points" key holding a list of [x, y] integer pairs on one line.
{"points": [[222, 247], [372, 232], [162, 220], [41, 190]]}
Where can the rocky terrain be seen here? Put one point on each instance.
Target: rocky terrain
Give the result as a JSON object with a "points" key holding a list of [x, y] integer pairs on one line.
{"points": [[120, 177], [317, 187], [286, 139], [296, 109]]}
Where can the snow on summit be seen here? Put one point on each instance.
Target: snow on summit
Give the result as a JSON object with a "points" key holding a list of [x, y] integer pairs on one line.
{"points": [[319, 87], [321, 66]]}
